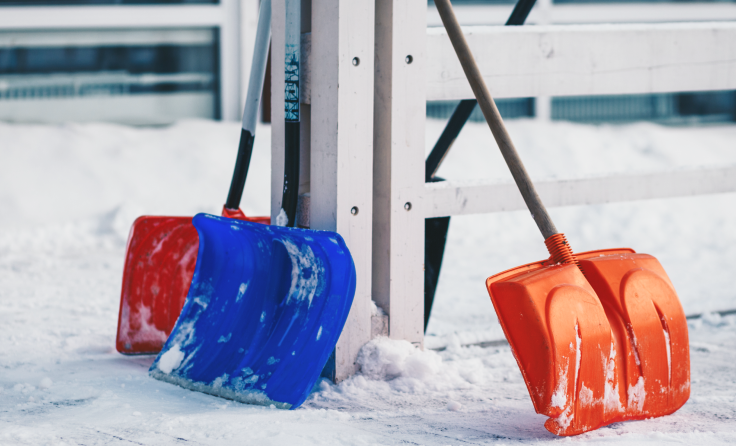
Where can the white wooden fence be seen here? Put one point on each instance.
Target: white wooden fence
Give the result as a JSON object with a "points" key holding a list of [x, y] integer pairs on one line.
{"points": [[369, 68]]}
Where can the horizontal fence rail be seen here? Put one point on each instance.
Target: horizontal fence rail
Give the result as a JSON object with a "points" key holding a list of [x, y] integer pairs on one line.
{"points": [[579, 60], [454, 198], [572, 60]]}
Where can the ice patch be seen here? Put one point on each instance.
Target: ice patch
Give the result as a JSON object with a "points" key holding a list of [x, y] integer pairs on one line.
{"points": [[306, 271], [263, 316], [669, 356], [147, 331], [585, 396], [559, 398], [611, 399], [171, 359], [282, 219], [224, 339], [241, 292], [272, 360], [578, 354], [634, 344], [637, 395], [217, 383], [319, 332]]}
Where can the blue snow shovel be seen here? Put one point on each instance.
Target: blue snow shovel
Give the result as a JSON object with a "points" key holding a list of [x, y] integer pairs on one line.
{"points": [[263, 314], [265, 308]]}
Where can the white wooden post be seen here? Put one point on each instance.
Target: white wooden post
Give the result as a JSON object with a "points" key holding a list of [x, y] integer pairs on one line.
{"points": [[398, 165], [342, 146]]}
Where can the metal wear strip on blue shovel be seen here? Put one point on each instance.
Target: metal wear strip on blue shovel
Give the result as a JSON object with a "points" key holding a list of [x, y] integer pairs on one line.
{"points": [[263, 314]]}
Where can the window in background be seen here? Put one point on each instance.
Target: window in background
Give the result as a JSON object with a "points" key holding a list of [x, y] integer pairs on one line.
{"points": [[127, 76]]}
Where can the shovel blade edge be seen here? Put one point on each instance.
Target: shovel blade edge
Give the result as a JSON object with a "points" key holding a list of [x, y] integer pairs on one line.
{"points": [[594, 349], [264, 311]]}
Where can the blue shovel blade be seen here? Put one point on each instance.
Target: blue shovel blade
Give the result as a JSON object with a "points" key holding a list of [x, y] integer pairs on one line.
{"points": [[263, 314]]}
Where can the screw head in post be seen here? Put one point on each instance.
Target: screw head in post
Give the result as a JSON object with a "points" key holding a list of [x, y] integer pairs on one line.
{"points": [[354, 210], [409, 59], [356, 61], [407, 206]]}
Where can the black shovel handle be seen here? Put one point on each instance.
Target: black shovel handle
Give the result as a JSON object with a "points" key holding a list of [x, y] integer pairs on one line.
{"points": [[252, 103]]}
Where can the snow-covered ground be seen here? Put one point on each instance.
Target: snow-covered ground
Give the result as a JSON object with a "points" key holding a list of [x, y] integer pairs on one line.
{"points": [[69, 193]]}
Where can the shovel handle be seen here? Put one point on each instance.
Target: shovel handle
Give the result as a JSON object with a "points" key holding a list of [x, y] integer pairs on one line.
{"points": [[493, 117], [252, 103]]}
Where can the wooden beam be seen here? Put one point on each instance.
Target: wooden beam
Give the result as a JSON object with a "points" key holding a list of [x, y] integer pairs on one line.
{"points": [[398, 166], [342, 149], [587, 60], [454, 198]]}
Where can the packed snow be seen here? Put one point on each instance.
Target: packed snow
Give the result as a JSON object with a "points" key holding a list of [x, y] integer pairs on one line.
{"points": [[69, 193]]}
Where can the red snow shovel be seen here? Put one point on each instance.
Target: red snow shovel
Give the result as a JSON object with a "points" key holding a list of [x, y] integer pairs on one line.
{"points": [[599, 337], [162, 251]]}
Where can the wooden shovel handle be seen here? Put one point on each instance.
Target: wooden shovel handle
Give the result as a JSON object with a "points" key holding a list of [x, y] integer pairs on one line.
{"points": [[493, 117]]}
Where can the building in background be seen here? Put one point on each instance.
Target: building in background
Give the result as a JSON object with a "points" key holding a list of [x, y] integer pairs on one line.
{"points": [[152, 62], [126, 61]]}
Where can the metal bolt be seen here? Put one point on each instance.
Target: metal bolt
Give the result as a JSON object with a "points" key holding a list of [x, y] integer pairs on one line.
{"points": [[409, 59], [356, 61], [407, 206], [354, 210]]}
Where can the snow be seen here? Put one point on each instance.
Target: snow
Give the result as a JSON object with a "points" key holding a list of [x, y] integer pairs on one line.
{"points": [[69, 193]]}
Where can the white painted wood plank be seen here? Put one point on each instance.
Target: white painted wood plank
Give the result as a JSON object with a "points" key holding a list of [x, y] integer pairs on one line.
{"points": [[454, 198], [474, 15], [342, 149], [398, 166], [587, 59]]}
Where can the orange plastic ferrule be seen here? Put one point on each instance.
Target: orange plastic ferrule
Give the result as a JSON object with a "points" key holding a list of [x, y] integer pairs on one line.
{"points": [[559, 249]]}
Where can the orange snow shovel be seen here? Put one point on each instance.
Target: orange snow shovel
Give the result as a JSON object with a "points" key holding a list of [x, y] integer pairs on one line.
{"points": [[600, 336]]}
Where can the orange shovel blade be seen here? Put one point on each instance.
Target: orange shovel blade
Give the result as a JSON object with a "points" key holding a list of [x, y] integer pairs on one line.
{"points": [[159, 265], [594, 349]]}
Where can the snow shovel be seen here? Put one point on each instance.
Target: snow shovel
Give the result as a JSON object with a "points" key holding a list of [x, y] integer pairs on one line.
{"points": [[599, 337], [264, 312], [162, 251], [267, 304]]}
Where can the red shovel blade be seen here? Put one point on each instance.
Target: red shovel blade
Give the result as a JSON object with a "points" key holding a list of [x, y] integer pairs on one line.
{"points": [[596, 349], [159, 265]]}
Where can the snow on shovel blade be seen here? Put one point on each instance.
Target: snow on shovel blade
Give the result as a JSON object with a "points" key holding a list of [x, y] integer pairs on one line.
{"points": [[159, 264], [263, 314], [594, 349]]}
